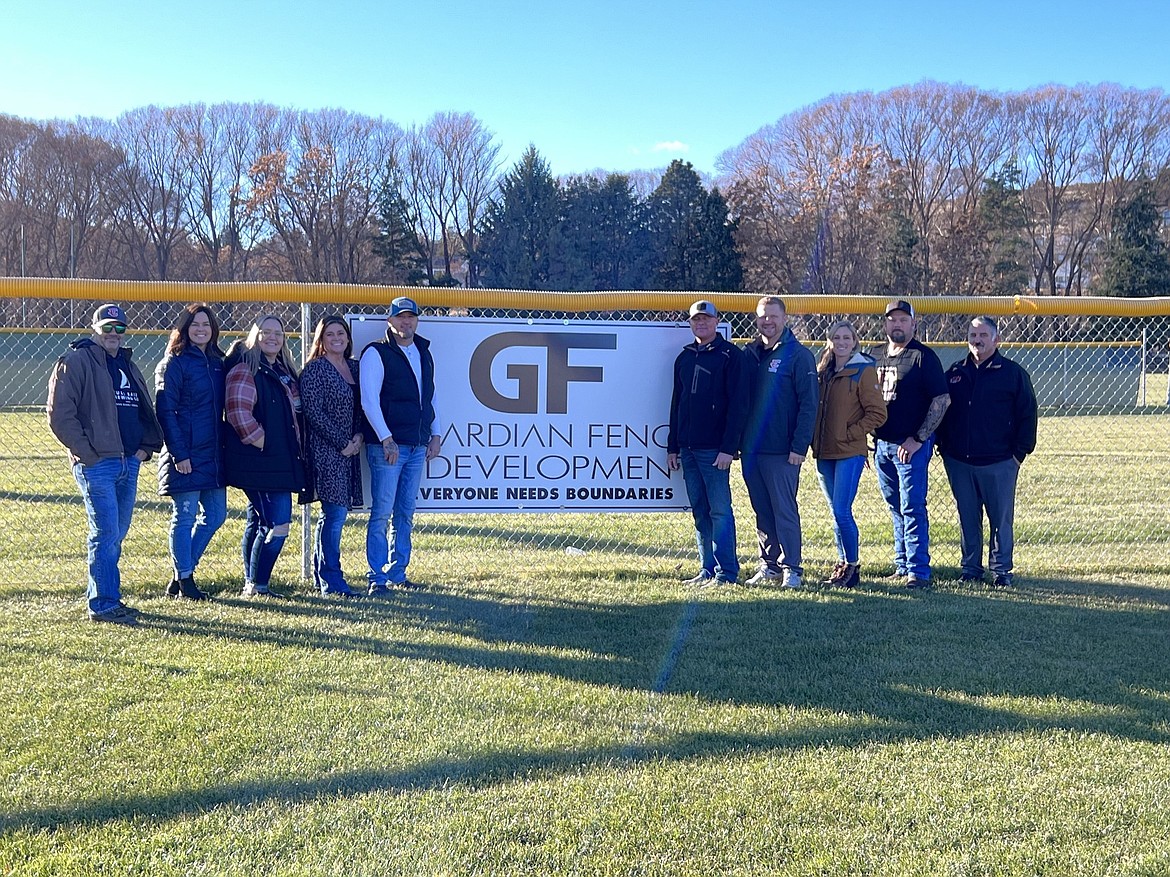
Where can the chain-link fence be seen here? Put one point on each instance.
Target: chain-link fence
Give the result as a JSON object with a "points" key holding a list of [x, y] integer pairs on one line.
{"points": [[1090, 500]]}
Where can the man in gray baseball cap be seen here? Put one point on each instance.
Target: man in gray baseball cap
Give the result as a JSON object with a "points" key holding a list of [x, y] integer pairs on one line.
{"points": [[707, 411]]}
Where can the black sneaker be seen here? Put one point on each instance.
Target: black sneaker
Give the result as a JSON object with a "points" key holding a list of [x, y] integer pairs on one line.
{"points": [[117, 615], [408, 585], [968, 578], [173, 588], [378, 591], [1003, 580], [129, 610]]}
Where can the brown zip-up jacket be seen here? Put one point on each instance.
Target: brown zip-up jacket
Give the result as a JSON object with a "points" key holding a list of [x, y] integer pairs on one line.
{"points": [[851, 405], [81, 408]]}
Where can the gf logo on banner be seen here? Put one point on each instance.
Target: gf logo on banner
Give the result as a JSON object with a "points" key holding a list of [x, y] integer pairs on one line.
{"points": [[559, 374]]}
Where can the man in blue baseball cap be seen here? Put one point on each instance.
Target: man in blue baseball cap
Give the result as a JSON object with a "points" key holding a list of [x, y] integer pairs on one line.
{"points": [[101, 410], [397, 378]]}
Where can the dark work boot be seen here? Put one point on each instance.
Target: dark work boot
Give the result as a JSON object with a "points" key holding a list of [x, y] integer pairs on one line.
{"points": [[189, 590], [173, 588]]}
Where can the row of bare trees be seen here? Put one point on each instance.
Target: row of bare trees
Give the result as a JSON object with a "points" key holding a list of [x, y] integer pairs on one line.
{"points": [[944, 189], [928, 188], [239, 192]]}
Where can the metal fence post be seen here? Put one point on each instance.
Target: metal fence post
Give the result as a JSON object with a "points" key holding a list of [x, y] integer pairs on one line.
{"points": [[307, 508], [1142, 379]]}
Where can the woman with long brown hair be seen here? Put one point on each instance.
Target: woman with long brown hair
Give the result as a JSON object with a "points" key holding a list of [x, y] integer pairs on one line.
{"points": [[333, 420], [189, 392]]}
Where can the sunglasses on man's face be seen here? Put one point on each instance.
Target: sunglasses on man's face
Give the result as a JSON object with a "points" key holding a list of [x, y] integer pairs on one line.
{"points": [[113, 327]]}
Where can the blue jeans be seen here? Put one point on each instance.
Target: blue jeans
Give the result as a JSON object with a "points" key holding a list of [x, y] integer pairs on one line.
{"points": [[903, 485], [108, 489], [709, 493], [839, 479], [195, 517], [394, 495], [261, 546], [327, 547]]}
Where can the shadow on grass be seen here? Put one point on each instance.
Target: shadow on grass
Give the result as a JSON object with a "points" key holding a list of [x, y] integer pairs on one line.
{"points": [[553, 538], [42, 498], [884, 664], [74, 499]]}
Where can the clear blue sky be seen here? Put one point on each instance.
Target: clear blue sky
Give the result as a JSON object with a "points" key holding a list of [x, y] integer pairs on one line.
{"points": [[615, 84]]}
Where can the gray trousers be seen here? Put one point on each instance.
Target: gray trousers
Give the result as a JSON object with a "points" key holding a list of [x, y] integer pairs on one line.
{"points": [[771, 482], [991, 488]]}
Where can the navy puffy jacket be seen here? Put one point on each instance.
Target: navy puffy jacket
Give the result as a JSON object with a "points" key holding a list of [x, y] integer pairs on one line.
{"points": [[189, 400]]}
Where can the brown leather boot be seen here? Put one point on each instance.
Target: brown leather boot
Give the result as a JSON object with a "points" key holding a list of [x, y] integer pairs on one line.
{"points": [[851, 576], [837, 574]]}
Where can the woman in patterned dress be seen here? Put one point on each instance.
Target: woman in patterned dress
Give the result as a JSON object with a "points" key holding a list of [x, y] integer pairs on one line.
{"points": [[333, 415]]}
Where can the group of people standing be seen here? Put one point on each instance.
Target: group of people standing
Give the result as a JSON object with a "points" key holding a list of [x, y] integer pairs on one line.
{"points": [[772, 402], [248, 419]]}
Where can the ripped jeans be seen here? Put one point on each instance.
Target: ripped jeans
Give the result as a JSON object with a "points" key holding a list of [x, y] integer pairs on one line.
{"points": [[196, 516], [261, 545]]}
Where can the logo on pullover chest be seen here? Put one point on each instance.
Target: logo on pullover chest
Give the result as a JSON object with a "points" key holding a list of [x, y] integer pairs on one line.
{"points": [[125, 396]]}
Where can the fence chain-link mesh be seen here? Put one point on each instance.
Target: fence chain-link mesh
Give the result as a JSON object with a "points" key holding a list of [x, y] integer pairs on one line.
{"points": [[1090, 500]]}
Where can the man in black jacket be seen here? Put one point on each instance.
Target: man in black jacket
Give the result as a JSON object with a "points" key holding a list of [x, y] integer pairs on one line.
{"points": [[989, 429], [707, 411], [403, 431]]}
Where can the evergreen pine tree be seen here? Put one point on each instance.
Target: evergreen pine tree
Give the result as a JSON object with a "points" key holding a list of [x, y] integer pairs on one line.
{"points": [[690, 234], [516, 241], [1138, 263], [396, 242]]}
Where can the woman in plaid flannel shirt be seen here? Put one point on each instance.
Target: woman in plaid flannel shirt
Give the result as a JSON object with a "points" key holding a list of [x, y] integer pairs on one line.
{"points": [[263, 448]]}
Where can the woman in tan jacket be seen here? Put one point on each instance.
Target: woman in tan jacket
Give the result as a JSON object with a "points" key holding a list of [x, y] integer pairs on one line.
{"points": [[851, 405]]}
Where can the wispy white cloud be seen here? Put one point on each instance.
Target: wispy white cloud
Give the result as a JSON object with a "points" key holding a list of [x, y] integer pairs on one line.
{"points": [[671, 146]]}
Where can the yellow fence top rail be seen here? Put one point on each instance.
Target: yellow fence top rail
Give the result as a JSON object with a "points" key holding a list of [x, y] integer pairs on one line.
{"points": [[528, 299]]}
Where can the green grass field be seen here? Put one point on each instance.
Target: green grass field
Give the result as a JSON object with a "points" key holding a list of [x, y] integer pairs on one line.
{"points": [[538, 712]]}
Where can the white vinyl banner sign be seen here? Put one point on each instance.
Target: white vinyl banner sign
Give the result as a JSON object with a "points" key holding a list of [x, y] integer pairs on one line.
{"points": [[548, 416]]}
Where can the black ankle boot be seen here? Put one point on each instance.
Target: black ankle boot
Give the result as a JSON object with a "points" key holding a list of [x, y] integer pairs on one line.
{"points": [[173, 588], [190, 590]]}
